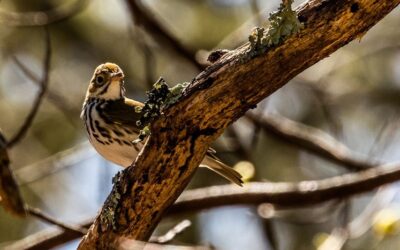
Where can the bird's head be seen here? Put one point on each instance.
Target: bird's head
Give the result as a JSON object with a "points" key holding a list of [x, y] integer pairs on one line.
{"points": [[107, 82]]}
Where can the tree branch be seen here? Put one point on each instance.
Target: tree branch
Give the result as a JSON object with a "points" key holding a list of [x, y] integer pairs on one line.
{"points": [[145, 19], [281, 194], [312, 140], [9, 192], [284, 194], [35, 212], [217, 97], [39, 97], [170, 235], [48, 238], [59, 101]]}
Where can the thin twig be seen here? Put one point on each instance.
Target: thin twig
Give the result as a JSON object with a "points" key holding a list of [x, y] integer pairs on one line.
{"points": [[138, 35], [11, 198], [48, 238], [312, 140], [255, 8], [56, 99], [324, 100], [270, 233], [39, 97], [170, 235], [142, 17], [240, 149], [35, 212], [26, 71]]}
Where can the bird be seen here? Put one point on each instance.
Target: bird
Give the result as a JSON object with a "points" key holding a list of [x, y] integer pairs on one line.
{"points": [[110, 119]]}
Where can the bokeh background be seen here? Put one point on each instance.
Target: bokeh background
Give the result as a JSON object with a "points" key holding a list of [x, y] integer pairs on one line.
{"points": [[354, 95]]}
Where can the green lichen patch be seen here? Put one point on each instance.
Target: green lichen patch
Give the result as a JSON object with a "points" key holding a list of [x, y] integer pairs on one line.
{"points": [[111, 206], [158, 98], [175, 93], [283, 23]]}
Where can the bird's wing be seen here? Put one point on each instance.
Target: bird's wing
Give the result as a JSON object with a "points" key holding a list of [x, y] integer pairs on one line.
{"points": [[122, 112]]}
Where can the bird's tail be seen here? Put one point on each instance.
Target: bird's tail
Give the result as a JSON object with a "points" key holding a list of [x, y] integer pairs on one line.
{"points": [[222, 169]]}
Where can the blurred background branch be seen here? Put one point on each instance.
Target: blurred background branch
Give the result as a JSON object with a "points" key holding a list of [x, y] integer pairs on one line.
{"points": [[143, 18], [35, 212], [311, 139], [281, 195], [58, 100], [39, 97], [300, 194]]}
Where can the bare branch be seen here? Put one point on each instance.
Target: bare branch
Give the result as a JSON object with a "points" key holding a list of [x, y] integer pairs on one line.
{"points": [[27, 72], [142, 17], [214, 99], [39, 97], [51, 238], [35, 212], [285, 194], [170, 235], [56, 99], [312, 140], [47, 239], [255, 8], [281, 194], [361, 223], [137, 34], [11, 199]]}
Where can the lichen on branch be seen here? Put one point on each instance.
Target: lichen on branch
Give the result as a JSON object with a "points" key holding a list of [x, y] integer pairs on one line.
{"points": [[110, 208], [283, 23], [158, 98]]}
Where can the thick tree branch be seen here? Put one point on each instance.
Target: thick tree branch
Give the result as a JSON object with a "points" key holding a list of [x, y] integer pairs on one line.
{"points": [[216, 98], [312, 140]]}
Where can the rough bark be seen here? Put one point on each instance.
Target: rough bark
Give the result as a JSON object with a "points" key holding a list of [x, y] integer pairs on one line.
{"points": [[216, 98]]}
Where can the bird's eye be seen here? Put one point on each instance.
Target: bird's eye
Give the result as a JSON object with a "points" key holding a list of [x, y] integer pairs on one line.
{"points": [[100, 80]]}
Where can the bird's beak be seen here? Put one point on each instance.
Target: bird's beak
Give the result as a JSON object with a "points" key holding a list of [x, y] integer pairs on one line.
{"points": [[117, 76]]}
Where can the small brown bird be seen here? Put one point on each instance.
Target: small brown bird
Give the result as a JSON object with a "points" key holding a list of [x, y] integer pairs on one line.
{"points": [[110, 121]]}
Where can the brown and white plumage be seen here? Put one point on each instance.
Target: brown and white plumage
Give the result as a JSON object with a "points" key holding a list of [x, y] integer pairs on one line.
{"points": [[110, 121]]}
